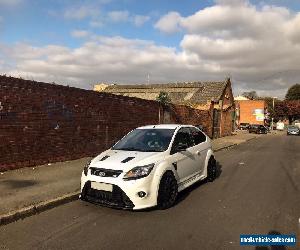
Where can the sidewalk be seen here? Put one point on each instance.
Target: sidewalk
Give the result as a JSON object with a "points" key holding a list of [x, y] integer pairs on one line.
{"points": [[29, 190], [229, 141]]}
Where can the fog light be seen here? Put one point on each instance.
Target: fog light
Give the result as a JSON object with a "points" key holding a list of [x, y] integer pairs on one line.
{"points": [[141, 194]]}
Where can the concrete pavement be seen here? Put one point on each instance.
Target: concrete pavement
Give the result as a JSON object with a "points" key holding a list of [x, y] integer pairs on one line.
{"points": [[29, 190]]}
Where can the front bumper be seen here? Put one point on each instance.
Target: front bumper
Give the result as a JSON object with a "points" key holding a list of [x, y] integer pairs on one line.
{"points": [[293, 132], [117, 198], [124, 193], [261, 132]]}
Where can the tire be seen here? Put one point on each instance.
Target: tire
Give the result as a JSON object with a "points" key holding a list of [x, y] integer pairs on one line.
{"points": [[168, 191], [211, 169]]}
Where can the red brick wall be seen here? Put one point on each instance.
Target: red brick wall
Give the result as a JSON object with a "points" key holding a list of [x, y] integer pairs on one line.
{"points": [[41, 122], [186, 115], [246, 111], [227, 122], [227, 114]]}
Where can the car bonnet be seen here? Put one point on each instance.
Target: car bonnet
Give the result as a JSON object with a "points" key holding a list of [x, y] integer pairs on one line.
{"points": [[125, 160]]}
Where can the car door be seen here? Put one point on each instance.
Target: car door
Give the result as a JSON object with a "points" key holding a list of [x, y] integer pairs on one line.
{"points": [[200, 148], [183, 161]]}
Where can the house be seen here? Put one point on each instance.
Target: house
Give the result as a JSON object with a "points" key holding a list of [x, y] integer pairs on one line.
{"points": [[198, 95], [251, 111]]}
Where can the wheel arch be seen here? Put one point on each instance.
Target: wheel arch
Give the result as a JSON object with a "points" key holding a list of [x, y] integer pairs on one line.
{"points": [[209, 154], [161, 169]]}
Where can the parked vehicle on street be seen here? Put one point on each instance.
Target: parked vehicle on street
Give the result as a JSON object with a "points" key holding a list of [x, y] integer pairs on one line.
{"points": [[280, 126], [148, 167], [293, 130], [244, 126], [268, 129], [257, 129], [297, 123]]}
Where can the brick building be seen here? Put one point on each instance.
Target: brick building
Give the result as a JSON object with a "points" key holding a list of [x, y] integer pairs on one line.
{"points": [[198, 95], [251, 111]]}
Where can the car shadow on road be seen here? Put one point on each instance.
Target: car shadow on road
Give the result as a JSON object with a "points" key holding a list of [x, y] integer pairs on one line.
{"points": [[273, 232], [185, 193], [15, 184]]}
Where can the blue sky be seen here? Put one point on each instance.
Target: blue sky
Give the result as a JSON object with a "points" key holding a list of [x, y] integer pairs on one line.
{"points": [[47, 40], [43, 22]]}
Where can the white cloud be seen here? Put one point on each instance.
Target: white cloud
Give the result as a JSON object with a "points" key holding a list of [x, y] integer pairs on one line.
{"points": [[118, 16], [139, 20], [80, 33], [96, 24], [231, 2], [258, 46], [169, 23], [81, 12], [121, 16], [113, 59]]}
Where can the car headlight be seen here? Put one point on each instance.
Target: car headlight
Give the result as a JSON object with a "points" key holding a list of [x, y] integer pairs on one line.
{"points": [[86, 167], [138, 172]]}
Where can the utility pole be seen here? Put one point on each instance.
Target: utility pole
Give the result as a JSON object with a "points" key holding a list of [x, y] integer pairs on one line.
{"points": [[273, 113]]}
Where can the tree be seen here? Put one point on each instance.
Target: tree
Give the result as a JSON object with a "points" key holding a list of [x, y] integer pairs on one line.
{"points": [[163, 99], [252, 95], [269, 103], [288, 109], [293, 93]]}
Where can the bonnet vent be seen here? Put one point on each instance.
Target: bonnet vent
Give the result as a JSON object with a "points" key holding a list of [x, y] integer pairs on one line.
{"points": [[127, 159], [104, 158]]}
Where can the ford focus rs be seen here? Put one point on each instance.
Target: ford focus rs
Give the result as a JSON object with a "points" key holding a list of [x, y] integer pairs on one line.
{"points": [[148, 167]]}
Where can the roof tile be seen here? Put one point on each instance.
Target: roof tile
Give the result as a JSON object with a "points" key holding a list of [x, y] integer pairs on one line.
{"points": [[179, 92]]}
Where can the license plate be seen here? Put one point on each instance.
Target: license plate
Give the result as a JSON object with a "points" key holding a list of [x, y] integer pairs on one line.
{"points": [[102, 186]]}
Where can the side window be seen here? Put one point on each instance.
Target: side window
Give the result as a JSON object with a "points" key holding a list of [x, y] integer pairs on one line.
{"points": [[198, 136], [183, 137]]}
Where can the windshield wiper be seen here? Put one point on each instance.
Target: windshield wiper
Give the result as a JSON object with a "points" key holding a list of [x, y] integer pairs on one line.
{"points": [[127, 149], [138, 149], [154, 150]]}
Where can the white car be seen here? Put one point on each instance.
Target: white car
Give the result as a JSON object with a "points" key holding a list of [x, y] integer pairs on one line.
{"points": [[148, 167]]}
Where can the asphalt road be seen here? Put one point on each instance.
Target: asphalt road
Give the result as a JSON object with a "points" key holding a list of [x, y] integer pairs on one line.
{"points": [[257, 192]]}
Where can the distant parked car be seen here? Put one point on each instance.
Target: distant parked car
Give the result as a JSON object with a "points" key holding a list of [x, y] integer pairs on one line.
{"points": [[268, 129], [293, 130], [244, 126], [257, 129], [297, 123], [252, 128], [280, 126]]}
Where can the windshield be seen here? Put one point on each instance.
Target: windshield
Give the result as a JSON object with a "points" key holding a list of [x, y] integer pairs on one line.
{"points": [[146, 140], [293, 127]]}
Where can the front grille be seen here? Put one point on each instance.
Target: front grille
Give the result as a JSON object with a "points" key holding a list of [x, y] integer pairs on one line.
{"points": [[103, 172], [116, 198]]}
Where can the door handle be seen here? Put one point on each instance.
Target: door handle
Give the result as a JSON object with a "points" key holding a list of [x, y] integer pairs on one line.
{"points": [[198, 152]]}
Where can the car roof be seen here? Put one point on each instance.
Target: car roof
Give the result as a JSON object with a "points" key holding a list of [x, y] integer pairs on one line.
{"points": [[164, 126]]}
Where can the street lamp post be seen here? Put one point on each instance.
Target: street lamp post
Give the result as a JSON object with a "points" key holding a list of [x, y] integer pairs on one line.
{"points": [[273, 112]]}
